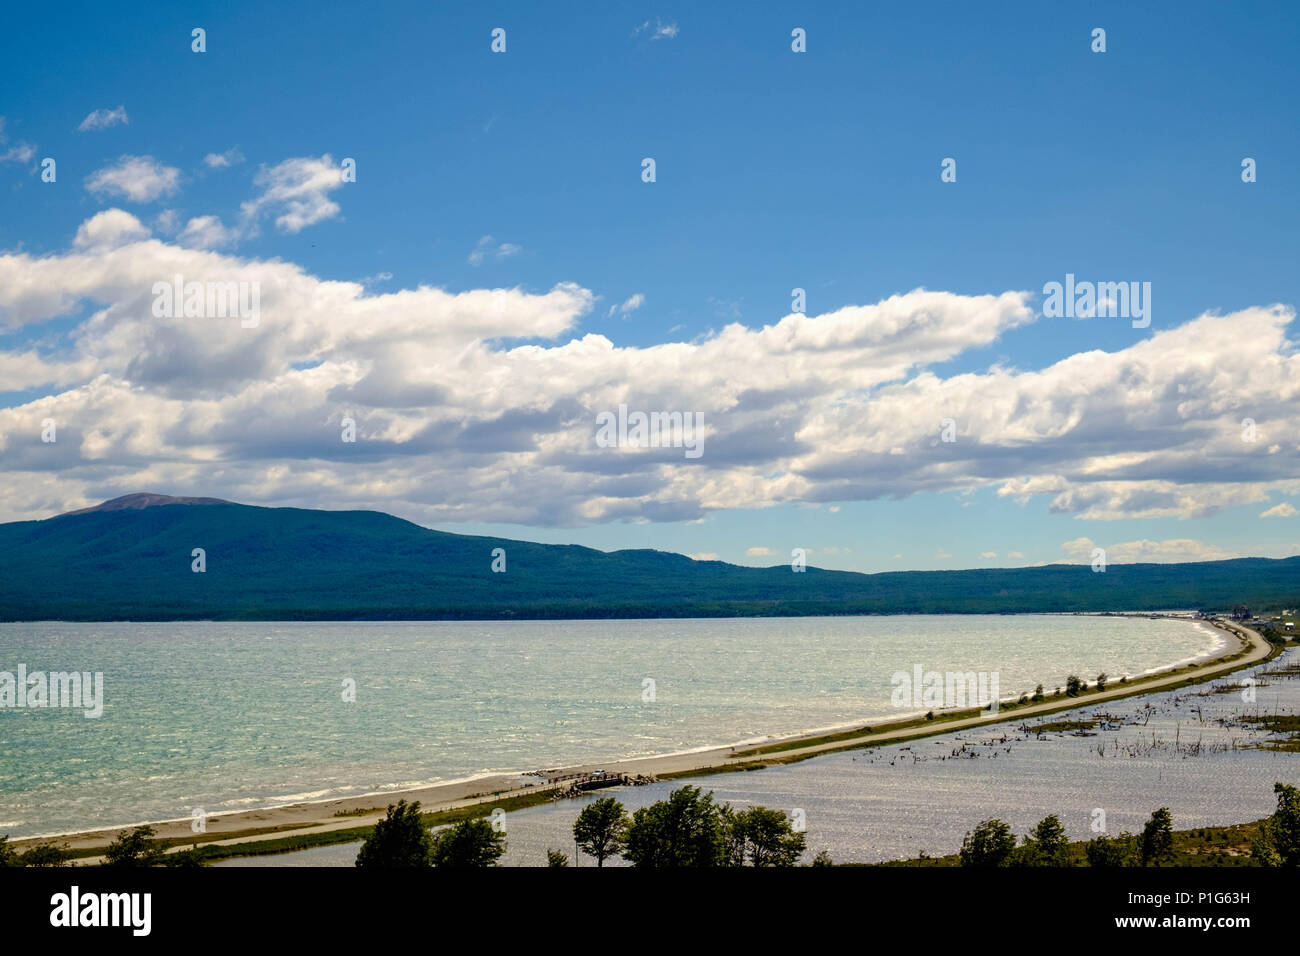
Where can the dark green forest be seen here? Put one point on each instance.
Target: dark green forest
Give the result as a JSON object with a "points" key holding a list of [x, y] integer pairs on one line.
{"points": [[295, 564]]}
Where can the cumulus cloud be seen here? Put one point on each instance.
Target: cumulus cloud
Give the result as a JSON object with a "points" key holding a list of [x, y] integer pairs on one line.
{"points": [[759, 553], [207, 232], [296, 193], [103, 119], [481, 405], [1283, 510], [136, 178], [112, 227], [1170, 551], [703, 556]]}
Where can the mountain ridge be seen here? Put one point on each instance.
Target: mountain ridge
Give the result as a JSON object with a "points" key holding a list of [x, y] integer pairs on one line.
{"points": [[133, 561]]}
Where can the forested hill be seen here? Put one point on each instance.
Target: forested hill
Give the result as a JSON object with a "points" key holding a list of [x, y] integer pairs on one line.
{"points": [[131, 559]]}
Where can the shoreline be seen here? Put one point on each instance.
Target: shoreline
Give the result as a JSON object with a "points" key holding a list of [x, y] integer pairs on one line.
{"points": [[345, 818]]}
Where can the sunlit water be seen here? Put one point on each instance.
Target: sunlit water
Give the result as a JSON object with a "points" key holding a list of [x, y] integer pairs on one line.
{"points": [[1187, 750], [234, 716]]}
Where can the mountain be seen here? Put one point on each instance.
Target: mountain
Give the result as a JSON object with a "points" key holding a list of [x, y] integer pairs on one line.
{"points": [[130, 559], [145, 500]]}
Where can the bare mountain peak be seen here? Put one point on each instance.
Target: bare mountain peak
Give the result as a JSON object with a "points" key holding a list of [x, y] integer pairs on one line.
{"points": [[140, 500]]}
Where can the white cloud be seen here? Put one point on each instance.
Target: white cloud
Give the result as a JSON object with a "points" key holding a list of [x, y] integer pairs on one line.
{"points": [[1147, 552], [136, 178], [459, 395], [703, 556], [988, 555], [231, 157], [630, 304], [1015, 556], [1282, 510], [109, 229], [296, 193], [18, 153], [658, 29], [760, 553], [485, 248], [207, 232], [103, 119]]}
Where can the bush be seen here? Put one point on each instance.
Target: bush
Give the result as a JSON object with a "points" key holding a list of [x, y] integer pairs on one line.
{"points": [[1045, 845], [1112, 851], [137, 848], [990, 844], [470, 845]]}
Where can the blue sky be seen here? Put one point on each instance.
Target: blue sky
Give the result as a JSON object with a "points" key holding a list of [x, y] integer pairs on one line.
{"points": [[775, 170]]}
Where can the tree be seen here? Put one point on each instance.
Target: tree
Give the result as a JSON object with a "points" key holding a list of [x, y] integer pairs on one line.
{"points": [[1157, 843], [46, 854], [1073, 686], [399, 841], [1038, 694], [469, 845], [8, 856], [556, 857], [1278, 841], [822, 859], [684, 830], [137, 848], [764, 837], [1102, 678], [601, 829], [989, 844], [733, 836], [1045, 845], [1112, 851]]}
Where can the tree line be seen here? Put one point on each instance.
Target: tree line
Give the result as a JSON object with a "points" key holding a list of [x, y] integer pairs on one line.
{"points": [[691, 829], [993, 844]]}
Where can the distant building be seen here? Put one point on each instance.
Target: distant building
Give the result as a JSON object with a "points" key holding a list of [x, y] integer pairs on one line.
{"points": [[1240, 612]]}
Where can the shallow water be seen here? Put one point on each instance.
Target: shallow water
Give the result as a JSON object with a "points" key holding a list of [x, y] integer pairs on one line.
{"points": [[1186, 750], [225, 717]]}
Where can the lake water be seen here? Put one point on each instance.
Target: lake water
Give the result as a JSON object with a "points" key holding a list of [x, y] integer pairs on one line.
{"points": [[228, 717], [1187, 750]]}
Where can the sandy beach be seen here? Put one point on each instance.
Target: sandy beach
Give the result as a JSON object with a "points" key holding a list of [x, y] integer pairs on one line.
{"points": [[1244, 648]]}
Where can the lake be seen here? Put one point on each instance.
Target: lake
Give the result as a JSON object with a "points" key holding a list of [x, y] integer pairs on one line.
{"points": [[233, 716]]}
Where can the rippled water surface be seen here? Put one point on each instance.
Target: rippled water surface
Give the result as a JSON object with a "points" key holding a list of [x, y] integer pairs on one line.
{"points": [[1188, 750], [231, 716]]}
